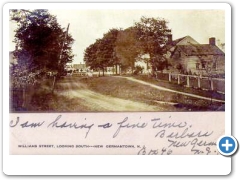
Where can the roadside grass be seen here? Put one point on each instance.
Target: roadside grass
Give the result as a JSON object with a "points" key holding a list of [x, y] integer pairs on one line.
{"points": [[47, 102], [31, 97], [126, 89], [43, 100]]}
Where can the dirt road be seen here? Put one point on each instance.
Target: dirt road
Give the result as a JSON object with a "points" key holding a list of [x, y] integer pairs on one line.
{"points": [[99, 102]]}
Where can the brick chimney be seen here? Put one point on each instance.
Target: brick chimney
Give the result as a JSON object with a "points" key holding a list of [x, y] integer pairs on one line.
{"points": [[212, 41]]}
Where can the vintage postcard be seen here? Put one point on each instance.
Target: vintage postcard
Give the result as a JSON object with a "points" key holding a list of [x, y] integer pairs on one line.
{"points": [[147, 80]]}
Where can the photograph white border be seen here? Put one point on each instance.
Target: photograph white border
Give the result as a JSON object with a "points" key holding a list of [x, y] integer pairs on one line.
{"points": [[114, 164]]}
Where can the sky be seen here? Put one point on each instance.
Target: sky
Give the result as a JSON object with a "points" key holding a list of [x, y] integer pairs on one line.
{"points": [[88, 25]]}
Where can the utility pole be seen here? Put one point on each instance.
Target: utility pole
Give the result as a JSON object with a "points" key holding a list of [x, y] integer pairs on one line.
{"points": [[65, 37]]}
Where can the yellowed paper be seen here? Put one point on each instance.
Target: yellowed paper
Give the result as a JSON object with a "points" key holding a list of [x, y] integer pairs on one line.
{"points": [[165, 133]]}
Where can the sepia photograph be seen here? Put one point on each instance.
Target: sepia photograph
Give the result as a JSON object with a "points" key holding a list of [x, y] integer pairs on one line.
{"points": [[103, 60], [116, 81], [96, 85]]}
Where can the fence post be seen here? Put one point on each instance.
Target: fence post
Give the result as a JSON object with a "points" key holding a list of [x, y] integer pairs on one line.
{"points": [[211, 84], [178, 79], [188, 81], [170, 77], [199, 82]]}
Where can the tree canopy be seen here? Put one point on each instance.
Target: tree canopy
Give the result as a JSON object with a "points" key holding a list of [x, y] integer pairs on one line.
{"points": [[153, 33], [128, 47], [41, 42], [101, 54], [125, 47]]}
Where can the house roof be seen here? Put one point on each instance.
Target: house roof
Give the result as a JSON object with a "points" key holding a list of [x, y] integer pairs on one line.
{"points": [[186, 40], [199, 49], [176, 41]]}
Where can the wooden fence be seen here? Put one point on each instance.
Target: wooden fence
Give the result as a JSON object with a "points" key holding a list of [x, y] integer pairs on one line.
{"points": [[206, 83], [16, 99]]}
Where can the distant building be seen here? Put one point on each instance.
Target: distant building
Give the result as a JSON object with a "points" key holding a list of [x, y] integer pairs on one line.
{"points": [[69, 67], [143, 62], [79, 67]]}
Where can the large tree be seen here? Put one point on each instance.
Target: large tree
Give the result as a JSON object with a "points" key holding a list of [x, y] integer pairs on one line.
{"points": [[149, 36], [41, 42], [128, 47], [153, 33], [93, 55], [107, 48], [102, 54]]}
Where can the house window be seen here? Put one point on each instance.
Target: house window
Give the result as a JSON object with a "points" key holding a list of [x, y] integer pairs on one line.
{"points": [[197, 65], [203, 65], [214, 66]]}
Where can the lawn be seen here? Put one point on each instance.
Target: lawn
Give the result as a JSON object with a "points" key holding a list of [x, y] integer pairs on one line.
{"points": [[175, 86], [125, 89]]}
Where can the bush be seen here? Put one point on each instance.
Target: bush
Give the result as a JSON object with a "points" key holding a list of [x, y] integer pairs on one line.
{"points": [[138, 70]]}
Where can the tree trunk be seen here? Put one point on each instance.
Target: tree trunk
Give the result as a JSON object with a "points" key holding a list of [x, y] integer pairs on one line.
{"points": [[53, 85], [152, 64], [132, 66], [103, 70]]}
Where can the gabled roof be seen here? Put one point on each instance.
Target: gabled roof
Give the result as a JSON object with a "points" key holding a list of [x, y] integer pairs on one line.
{"points": [[186, 40], [176, 41], [199, 49]]}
